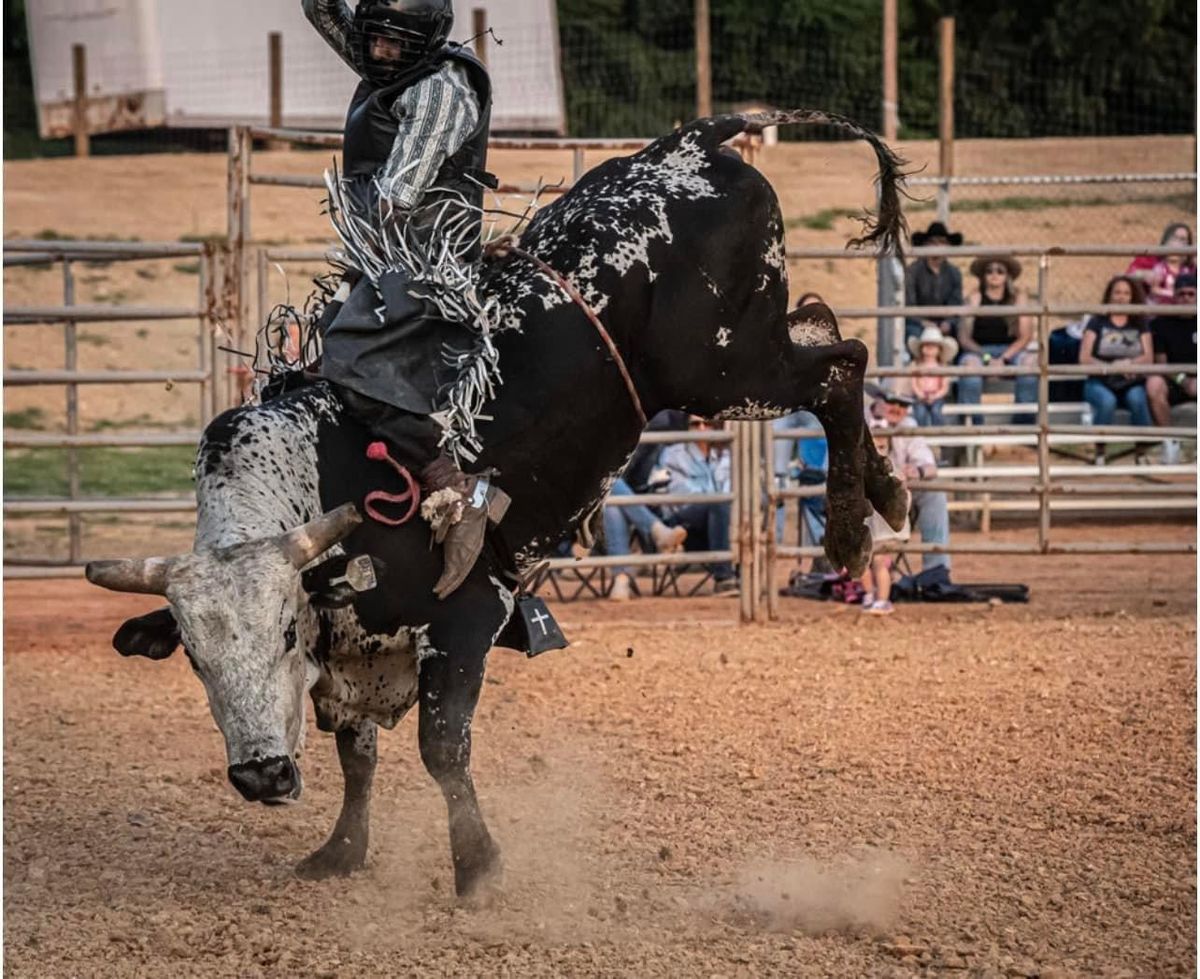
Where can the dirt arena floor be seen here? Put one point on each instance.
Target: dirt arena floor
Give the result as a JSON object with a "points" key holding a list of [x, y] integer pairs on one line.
{"points": [[981, 791]]}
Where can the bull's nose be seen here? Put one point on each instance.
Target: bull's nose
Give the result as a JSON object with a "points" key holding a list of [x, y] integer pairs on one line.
{"points": [[266, 780]]}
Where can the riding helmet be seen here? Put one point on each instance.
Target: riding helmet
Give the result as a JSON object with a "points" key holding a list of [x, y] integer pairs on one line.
{"points": [[392, 37]]}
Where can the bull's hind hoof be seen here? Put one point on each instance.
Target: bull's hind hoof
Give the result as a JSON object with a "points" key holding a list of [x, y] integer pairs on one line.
{"points": [[888, 495], [848, 543], [337, 858]]}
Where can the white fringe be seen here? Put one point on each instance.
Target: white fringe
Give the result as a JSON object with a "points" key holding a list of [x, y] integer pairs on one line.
{"points": [[433, 245]]}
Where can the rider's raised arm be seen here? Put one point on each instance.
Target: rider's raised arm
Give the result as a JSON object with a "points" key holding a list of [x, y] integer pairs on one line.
{"points": [[333, 21], [436, 116]]}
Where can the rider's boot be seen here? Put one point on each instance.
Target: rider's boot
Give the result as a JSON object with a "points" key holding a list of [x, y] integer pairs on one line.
{"points": [[459, 508]]}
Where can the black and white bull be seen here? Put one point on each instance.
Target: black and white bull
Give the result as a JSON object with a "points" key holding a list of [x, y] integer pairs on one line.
{"points": [[680, 251]]}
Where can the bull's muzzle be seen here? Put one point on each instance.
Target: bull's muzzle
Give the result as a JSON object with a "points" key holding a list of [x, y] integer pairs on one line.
{"points": [[272, 780]]}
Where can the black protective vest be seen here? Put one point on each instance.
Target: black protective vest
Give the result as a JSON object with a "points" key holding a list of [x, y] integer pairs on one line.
{"points": [[371, 127]]}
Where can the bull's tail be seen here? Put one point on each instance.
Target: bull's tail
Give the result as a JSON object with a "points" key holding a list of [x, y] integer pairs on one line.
{"points": [[885, 229]]}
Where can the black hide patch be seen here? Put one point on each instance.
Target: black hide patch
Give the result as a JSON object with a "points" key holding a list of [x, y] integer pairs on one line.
{"points": [[318, 582], [154, 636]]}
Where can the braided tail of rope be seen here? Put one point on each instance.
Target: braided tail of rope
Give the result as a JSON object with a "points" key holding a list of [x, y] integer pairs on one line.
{"points": [[435, 246]]}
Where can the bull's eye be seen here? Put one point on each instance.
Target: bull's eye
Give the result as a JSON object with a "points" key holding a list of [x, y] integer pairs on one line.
{"points": [[289, 637]]}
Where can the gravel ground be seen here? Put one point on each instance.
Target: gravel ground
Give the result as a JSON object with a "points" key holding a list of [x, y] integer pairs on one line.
{"points": [[972, 790]]}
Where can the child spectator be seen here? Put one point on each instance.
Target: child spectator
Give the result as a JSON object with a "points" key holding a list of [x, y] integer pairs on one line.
{"points": [[1117, 339], [1157, 274], [987, 340], [1174, 340], [877, 579], [933, 281], [930, 350]]}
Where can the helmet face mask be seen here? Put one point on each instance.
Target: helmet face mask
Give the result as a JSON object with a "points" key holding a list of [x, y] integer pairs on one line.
{"points": [[394, 36]]}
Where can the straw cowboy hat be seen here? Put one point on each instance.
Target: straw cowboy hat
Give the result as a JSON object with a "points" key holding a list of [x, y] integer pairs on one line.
{"points": [[937, 230], [983, 261], [931, 334]]}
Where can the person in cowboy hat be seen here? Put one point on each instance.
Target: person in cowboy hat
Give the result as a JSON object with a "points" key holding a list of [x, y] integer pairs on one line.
{"points": [[996, 340], [933, 281], [930, 349]]}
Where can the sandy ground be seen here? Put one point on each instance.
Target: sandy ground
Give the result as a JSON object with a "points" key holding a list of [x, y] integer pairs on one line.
{"points": [[966, 791], [168, 197]]}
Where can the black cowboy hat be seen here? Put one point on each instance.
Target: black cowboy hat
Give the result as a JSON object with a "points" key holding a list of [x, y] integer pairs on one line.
{"points": [[937, 230]]}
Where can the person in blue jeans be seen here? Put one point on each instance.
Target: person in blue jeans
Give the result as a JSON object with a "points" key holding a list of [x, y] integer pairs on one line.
{"points": [[697, 467], [619, 522], [996, 340], [812, 455], [1117, 339]]}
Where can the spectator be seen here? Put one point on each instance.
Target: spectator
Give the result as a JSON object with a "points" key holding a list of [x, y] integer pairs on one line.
{"points": [[933, 281], [877, 579], [699, 467], [1117, 339], [1158, 273], [930, 350], [1174, 339], [987, 340], [912, 459], [619, 521]]}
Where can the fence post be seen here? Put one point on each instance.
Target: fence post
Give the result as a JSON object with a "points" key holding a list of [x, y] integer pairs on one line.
{"points": [[71, 363], [80, 115], [891, 73], [238, 234], [479, 28], [275, 59], [704, 104], [1043, 336], [946, 104]]}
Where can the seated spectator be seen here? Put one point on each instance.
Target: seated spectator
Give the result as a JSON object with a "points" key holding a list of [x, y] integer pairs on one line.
{"points": [[987, 340], [930, 349], [1157, 273], [1174, 339], [1117, 339], [699, 467], [913, 459], [933, 281], [619, 521]]}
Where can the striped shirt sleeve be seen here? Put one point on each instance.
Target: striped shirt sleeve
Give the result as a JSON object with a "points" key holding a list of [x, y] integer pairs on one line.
{"points": [[436, 116], [333, 20]]}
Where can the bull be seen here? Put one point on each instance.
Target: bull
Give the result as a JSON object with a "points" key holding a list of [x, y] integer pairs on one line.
{"points": [[679, 251]]}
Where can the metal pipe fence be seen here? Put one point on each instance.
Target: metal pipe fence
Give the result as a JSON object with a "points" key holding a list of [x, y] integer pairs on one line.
{"points": [[207, 311]]}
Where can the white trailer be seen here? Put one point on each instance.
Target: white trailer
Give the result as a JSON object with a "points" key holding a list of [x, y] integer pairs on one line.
{"points": [[182, 63]]}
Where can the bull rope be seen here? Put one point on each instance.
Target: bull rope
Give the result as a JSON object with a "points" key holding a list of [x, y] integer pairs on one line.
{"points": [[503, 247]]}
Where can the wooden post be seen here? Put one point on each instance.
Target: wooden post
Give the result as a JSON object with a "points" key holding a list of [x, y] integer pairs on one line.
{"points": [[479, 28], [946, 96], [704, 104], [891, 72], [275, 56], [80, 121]]}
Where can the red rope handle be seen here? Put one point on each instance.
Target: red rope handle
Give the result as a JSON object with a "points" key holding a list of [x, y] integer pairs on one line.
{"points": [[378, 452]]}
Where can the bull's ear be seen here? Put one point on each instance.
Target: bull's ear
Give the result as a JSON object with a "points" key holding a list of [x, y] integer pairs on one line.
{"points": [[154, 636], [337, 582]]}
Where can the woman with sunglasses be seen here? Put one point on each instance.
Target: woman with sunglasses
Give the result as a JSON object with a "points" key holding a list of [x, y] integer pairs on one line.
{"points": [[986, 340]]}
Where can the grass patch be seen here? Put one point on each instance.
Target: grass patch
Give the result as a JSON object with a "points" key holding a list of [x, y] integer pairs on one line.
{"points": [[102, 472], [187, 268], [823, 219], [1029, 202], [142, 422], [93, 339], [29, 419], [195, 239]]}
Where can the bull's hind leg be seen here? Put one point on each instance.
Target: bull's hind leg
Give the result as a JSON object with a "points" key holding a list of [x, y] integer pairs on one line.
{"points": [[451, 676], [346, 849]]}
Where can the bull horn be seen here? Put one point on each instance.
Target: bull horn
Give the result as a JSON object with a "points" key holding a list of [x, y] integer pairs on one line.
{"points": [[145, 577], [304, 544]]}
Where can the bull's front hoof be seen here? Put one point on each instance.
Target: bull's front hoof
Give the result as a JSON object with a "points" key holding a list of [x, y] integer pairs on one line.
{"points": [[848, 544], [337, 858], [477, 881]]}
